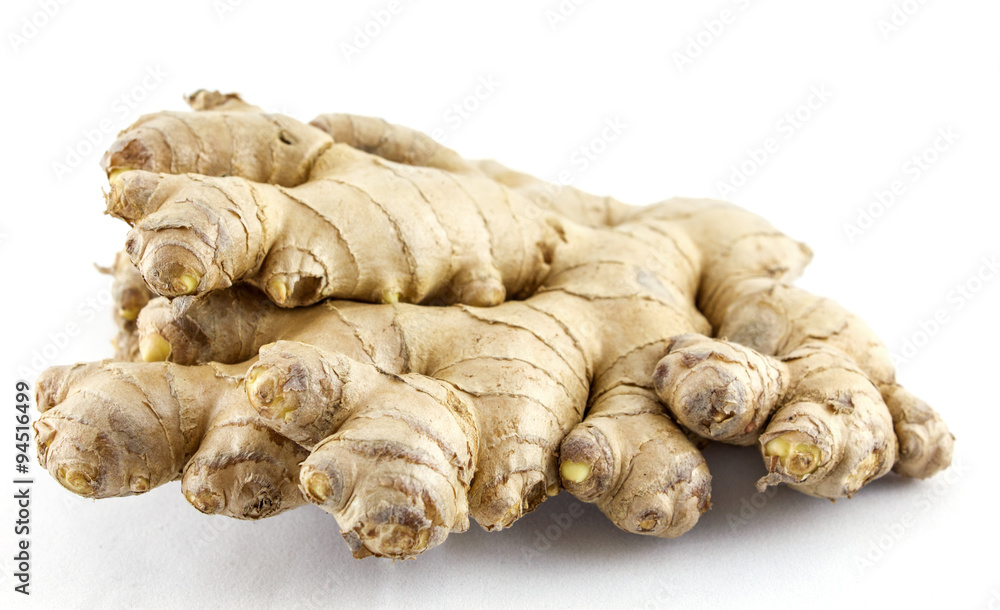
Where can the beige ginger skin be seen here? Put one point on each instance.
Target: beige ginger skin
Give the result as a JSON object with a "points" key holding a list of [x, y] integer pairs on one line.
{"points": [[580, 343]]}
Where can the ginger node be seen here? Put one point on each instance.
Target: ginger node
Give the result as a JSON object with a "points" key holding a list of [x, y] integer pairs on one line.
{"points": [[575, 472]]}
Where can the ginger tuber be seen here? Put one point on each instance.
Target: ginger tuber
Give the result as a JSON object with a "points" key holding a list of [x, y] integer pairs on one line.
{"points": [[231, 194], [403, 420], [436, 412]]}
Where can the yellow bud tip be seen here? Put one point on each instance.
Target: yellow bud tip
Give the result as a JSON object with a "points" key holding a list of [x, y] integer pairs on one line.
{"points": [[318, 486], [189, 282], [205, 501], [139, 484], [805, 459], [264, 389], [777, 447], [513, 514], [575, 472], [76, 480], [129, 314], [390, 296], [154, 348], [279, 290], [798, 459], [115, 174]]}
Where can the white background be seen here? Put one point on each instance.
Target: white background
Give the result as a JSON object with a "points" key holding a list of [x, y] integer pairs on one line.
{"points": [[91, 68]]}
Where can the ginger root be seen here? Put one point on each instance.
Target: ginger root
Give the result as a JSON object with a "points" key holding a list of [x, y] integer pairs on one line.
{"points": [[230, 194], [580, 343]]}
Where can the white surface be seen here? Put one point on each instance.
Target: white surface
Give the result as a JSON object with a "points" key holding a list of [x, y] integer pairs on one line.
{"points": [[556, 89]]}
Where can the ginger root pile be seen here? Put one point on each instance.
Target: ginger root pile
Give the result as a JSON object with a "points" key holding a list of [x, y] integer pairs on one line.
{"points": [[349, 314]]}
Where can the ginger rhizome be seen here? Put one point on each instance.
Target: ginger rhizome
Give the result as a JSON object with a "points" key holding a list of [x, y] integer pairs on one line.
{"points": [[279, 204], [576, 342]]}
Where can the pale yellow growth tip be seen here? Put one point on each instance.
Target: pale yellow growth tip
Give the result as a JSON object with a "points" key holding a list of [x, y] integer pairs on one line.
{"points": [[116, 173], [129, 314], [190, 282], [75, 480], [575, 472], [139, 484], [279, 290], [513, 514], [205, 501], [798, 459], [318, 486], [778, 446], [154, 348], [265, 393]]}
